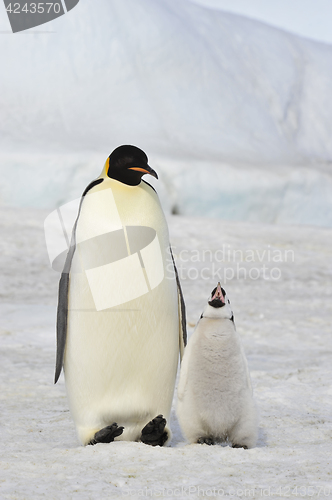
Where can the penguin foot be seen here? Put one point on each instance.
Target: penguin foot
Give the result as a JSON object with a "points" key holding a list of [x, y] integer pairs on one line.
{"points": [[205, 440], [107, 434], [154, 432], [240, 446]]}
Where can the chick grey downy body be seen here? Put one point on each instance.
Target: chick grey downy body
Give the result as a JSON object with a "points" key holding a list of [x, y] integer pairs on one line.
{"points": [[215, 401]]}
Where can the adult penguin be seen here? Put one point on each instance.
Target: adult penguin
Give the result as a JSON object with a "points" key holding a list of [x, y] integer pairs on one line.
{"points": [[121, 314]]}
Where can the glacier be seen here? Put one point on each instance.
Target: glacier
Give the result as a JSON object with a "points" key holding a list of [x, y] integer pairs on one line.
{"points": [[234, 115]]}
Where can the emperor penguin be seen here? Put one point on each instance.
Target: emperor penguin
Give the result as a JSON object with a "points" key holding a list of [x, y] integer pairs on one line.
{"points": [[121, 314], [215, 401]]}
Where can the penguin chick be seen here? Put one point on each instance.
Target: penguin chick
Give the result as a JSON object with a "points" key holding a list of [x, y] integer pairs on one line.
{"points": [[215, 402]]}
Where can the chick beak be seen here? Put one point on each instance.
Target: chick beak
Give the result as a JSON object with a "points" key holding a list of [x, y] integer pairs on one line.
{"points": [[218, 294]]}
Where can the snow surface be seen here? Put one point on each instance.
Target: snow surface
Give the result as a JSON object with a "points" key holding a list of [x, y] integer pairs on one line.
{"points": [[200, 90], [285, 325]]}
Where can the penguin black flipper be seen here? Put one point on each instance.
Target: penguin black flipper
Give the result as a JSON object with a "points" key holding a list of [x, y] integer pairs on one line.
{"points": [[62, 311], [62, 315], [182, 310]]}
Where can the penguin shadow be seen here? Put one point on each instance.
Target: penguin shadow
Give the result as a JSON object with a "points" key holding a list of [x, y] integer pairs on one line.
{"points": [[262, 439], [177, 438]]}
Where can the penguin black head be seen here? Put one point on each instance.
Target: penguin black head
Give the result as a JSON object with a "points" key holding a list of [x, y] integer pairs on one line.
{"points": [[127, 164], [218, 295], [219, 306]]}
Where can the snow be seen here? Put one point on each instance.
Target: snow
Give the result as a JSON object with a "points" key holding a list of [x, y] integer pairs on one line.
{"points": [[196, 88], [285, 325]]}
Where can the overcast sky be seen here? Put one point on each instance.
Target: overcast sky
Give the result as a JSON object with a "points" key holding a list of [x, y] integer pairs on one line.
{"points": [[309, 18]]}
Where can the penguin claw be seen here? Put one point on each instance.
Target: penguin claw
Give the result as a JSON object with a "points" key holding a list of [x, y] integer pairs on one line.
{"points": [[107, 434], [240, 446], [154, 432], [205, 440]]}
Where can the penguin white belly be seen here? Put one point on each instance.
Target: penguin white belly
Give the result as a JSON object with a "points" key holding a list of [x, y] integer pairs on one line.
{"points": [[215, 399], [120, 361]]}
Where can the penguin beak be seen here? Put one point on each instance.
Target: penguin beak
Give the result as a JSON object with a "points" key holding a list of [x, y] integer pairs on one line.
{"points": [[145, 170], [218, 294], [218, 300]]}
